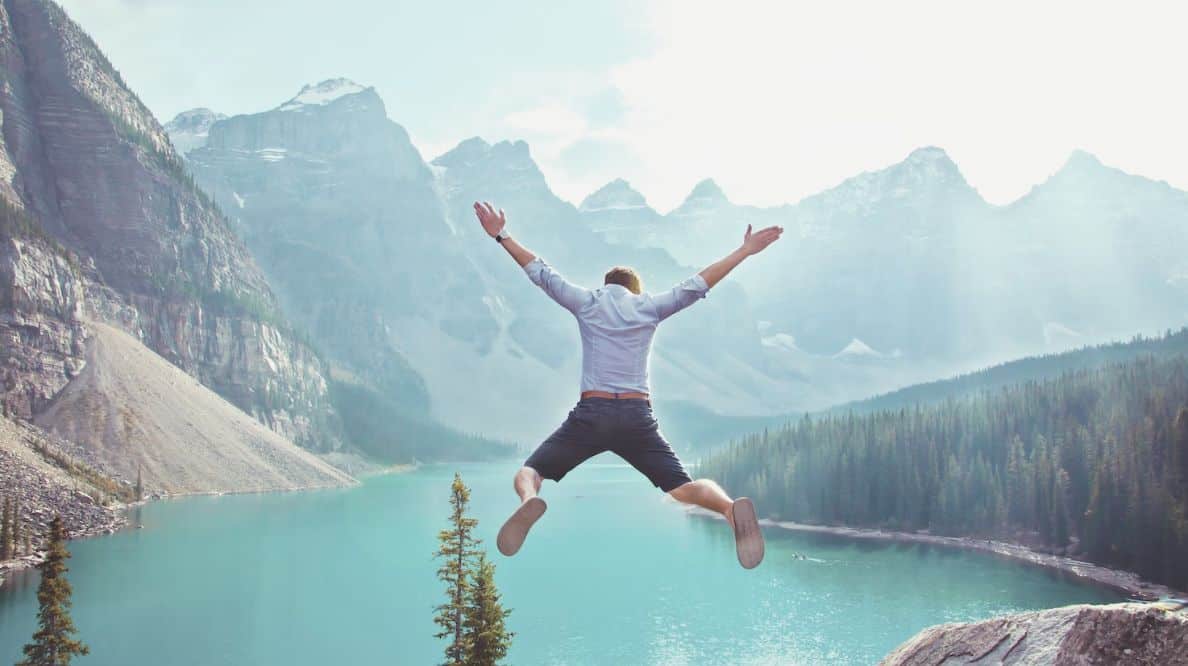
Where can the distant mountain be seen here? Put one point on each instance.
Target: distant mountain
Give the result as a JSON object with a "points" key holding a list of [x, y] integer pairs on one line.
{"points": [[190, 129], [893, 277], [912, 262], [345, 219], [615, 195]]}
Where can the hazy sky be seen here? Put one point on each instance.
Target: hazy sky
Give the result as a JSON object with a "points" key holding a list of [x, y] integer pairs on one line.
{"points": [[774, 100]]}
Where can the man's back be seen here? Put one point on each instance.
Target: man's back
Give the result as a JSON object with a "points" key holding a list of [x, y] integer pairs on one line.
{"points": [[616, 325]]}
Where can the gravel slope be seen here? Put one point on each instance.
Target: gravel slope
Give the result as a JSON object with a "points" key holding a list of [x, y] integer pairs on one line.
{"points": [[132, 409]]}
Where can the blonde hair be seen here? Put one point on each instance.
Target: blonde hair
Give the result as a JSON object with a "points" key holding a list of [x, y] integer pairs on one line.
{"points": [[625, 277]]}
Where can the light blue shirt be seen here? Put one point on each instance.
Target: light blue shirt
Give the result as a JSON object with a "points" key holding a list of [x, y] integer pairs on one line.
{"points": [[616, 325]]}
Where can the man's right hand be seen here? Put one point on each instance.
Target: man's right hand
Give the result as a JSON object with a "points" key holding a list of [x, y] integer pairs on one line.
{"points": [[492, 222], [754, 243]]}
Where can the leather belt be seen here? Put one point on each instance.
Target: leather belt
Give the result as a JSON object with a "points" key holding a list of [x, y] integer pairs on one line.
{"points": [[614, 396]]}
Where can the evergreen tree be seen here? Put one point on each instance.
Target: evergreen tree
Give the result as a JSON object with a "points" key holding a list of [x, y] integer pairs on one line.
{"points": [[6, 530], [458, 552], [15, 528], [53, 643], [487, 638], [139, 484]]}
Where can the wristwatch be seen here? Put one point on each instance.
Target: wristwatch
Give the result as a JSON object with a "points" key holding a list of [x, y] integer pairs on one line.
{"points": [[501, 236]]}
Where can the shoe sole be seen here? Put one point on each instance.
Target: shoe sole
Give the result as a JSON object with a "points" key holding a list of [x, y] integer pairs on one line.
{"points": [[748, 538], [515, 530]]}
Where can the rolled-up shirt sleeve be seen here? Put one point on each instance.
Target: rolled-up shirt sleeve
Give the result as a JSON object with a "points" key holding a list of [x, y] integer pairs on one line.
{"points": [[568, 295], [688, 292]]}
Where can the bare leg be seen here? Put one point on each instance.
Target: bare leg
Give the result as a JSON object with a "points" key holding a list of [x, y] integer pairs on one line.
{"points": [[515, 530], [706, 494], [748, 540], [527, 483]]}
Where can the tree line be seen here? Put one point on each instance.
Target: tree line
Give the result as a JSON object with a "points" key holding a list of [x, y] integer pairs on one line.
{"points": [[15, 540], [1091, 463]]}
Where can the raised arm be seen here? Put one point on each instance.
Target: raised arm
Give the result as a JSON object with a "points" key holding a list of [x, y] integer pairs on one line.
{"points": [[692, 289], [753, 243], [568, 295]]}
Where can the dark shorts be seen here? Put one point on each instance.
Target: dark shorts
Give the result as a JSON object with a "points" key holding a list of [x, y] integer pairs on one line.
{"points": [[625, 427]]}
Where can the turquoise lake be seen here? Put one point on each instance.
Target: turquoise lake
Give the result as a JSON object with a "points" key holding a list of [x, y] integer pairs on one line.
{"points": [[613, 574]]}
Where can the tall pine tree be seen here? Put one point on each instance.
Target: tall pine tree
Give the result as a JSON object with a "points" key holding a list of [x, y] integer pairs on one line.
{"points": [[53, 643], [5, 531], [458, 551], [487, 637]]}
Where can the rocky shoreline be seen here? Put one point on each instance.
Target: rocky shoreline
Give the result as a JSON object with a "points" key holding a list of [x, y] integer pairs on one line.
{"points": [[1126, 582], [117, 522], [49, 476]]}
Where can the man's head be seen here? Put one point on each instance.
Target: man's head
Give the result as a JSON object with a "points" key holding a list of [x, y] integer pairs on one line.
{"points": [[626, 277]]}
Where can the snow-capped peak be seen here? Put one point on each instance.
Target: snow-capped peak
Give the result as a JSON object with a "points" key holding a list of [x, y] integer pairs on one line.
{"points": [[615, 195], [857, 348], [323, 93], [190, 129], [194, 120]]}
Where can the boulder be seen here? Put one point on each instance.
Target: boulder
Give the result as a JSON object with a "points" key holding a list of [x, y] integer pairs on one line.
{"points": [[1127, 633]]}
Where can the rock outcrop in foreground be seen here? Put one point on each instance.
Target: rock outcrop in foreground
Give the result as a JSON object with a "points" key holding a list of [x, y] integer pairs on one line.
{"points": [[1127, 633]]}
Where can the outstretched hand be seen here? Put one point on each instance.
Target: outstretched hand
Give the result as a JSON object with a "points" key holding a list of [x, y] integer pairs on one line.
{"points": [[492, 222], [754, 243]]}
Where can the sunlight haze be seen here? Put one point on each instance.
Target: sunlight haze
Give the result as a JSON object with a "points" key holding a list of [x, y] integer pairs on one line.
{"points": [[772, 100]]}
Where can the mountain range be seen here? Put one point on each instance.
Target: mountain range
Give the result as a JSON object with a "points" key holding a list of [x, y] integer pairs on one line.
{"points": [[898, 275]]}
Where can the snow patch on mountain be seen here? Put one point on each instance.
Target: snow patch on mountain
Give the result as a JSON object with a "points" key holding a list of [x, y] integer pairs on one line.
{"points": [[191, 129], [322, 94], [858, 349]]}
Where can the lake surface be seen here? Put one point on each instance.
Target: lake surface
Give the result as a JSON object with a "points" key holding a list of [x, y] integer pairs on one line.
{"points": [[613, 574]]}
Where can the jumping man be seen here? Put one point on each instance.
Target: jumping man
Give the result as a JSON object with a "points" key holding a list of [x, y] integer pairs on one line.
{"points": [[617, 322]]}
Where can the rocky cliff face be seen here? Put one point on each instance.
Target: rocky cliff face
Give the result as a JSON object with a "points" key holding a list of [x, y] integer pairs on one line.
{"points": [[1148, 634], [83, 156], [40, 324]]}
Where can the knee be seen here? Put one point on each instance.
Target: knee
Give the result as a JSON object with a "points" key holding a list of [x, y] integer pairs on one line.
{"points": [[530, 475], [684, 492]]}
